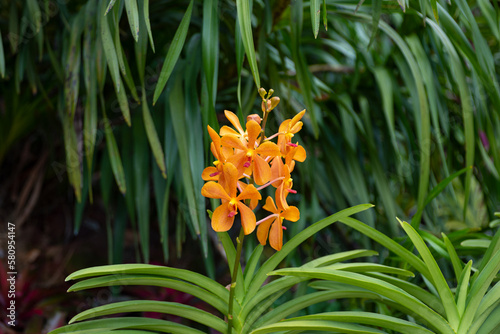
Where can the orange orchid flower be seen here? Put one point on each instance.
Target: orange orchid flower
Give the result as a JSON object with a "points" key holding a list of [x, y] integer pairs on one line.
{"points": [[223, 216], [286, 131], [272, 225], [248, 156], [235, 121], [220, 153]]}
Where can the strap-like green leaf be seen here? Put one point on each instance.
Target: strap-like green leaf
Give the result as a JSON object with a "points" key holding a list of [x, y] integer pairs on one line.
{"points": [[150, 280], [373, 319], [463, 288], [123, 323], [315, 16], [438, 279], [388, 243], [2, 58], [288, 247], [396, 294], [455, 260], [173, 52], [185, 311], [252, 264], [478, 290], [148, 269], [114, 155], [317, 325], [154, 141], [245, 22], [300, 303], [133, 17]]}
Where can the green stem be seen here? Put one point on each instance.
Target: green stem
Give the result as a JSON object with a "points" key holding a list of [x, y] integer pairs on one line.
{"points": [[239, 242], [263, 127]]}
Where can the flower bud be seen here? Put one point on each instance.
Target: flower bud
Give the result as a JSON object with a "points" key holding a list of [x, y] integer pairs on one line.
{"points": [[254, 117], [262, 92], [274, 102], [271, 92]]}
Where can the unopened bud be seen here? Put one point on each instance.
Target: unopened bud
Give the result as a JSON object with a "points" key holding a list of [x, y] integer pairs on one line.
{"points": [[254, 117], [271, 92], [274, 102], [262, 92]]}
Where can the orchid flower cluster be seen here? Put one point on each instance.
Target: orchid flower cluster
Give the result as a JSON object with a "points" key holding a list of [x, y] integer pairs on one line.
{"points": [[246, 161]]}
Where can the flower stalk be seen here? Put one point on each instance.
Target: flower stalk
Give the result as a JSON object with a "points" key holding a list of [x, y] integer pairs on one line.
{"points": [[234, 276]]}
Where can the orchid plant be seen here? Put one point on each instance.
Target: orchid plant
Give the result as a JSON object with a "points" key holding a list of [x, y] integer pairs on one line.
{"points": [[246, 162]]}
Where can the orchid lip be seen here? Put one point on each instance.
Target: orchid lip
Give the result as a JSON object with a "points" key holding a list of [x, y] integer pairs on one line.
{"points": [[292, 191], [232, 214], [247, 164], [214, 174], [292, 144]]}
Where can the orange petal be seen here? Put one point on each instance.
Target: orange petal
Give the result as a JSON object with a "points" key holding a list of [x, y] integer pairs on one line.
{"points": [[238, 160], [249, 192], [270, 205], [233, 141], [261, 170], [280, 196], [226, 130], [253, 129], [276, 170], [214, 136], [292, 214], [235, 121], [228, 178], [268, 149], [296, 127], [209, 171], [226, 152], [284, 125], [276, 235], [247, 218], [263, 229], [300, 154], [297, 118], [221, 222], [214, 190]]}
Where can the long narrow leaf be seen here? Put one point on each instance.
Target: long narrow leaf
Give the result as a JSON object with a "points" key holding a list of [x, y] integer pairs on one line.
{"points": [[432, 319], [245, 22], [173, 52], [274, 260], [185, 311], [128, 322], [436, 274]]}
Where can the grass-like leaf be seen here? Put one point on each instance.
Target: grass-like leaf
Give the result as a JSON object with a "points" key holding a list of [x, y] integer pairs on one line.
{"points": [[288, 247], [245, 22], [185, 311], [315, 16], [398, 295], [173, 52], [126, 323], [151, 280], [147, 269], [437, 276]]}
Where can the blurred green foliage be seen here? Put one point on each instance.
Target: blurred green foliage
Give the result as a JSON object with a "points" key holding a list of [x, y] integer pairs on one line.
{"points": [[399, 96]]}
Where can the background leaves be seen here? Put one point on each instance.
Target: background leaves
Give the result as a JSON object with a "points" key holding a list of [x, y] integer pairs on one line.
{"points": [[397, 102]]}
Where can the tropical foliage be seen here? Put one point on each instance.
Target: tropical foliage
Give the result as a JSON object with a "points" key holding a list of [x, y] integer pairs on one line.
{"points": [[402, 101]]}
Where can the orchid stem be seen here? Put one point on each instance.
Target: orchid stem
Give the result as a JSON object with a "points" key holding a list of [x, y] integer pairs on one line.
{"points": [[239, 242]]}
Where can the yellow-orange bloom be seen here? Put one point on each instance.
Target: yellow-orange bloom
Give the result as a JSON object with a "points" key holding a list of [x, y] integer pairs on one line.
{"points": [[223, 216], [220, 153], [250, 157], [286, 131], [272, 225]]}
